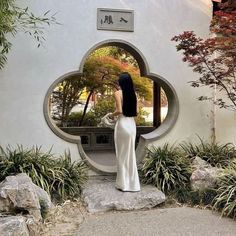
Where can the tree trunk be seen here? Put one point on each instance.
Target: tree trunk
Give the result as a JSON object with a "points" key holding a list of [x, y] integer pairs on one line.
{"points": [[85, 107]]}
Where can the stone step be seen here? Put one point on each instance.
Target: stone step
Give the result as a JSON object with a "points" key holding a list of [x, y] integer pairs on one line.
{"points": [[100, 195]]}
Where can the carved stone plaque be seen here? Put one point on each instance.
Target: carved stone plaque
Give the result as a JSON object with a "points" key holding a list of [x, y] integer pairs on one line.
{"points": [[115, 19]]}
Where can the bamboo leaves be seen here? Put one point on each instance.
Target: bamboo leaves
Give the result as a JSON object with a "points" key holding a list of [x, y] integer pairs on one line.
{"points": [[14, 19]]}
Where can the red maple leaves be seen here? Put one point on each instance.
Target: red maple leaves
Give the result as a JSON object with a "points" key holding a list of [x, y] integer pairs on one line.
{"points": [[213, 58]]}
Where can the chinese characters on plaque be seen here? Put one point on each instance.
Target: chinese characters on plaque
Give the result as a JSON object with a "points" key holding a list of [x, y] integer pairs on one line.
{"points": [[113, 19]]}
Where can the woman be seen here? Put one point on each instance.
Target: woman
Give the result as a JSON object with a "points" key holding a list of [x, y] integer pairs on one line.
{"points": [[125, 133]]}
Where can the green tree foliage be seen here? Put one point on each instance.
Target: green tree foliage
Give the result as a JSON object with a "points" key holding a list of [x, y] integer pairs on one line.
{"points": [[117, 53], [102, 107], [94, 115], [140, 118], [66, 95], [14, 19]]}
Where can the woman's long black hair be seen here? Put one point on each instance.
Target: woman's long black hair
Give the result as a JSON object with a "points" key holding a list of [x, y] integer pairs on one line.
{"points": [[129, 106]]}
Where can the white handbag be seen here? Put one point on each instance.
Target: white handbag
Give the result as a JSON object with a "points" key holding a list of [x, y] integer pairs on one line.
{"points": [[107, 122]]}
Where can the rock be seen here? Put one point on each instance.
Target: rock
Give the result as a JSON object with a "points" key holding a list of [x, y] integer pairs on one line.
{"points": [[101, 195], [199, 163], [13, 226], [44, 198], [34, 227], [17, 193], [204, 176]]}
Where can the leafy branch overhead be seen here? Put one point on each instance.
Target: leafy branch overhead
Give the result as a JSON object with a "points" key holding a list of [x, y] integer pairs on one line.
{"points": [[213, 58], [14, 19]]}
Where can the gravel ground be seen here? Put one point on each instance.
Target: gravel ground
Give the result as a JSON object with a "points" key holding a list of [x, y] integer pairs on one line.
{"points": [[182, 221]]}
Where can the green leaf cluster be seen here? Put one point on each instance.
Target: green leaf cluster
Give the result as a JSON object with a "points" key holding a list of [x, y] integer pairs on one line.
{"points": [[166, 168], [60, 177], [214, 153], [103, 106], [169, 168], [225, 199], [90, 119]]}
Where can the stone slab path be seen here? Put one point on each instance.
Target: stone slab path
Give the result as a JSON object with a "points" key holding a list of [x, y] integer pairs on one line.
{"points": [[102, 199], [180, 221], [101, 195]]}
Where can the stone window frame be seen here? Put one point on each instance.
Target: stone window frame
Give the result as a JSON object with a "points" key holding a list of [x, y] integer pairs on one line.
{"points": [[159, 132]]}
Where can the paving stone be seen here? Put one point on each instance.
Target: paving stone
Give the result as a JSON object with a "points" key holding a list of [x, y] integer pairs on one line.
{"points": [[182, 221], [101, 195]]}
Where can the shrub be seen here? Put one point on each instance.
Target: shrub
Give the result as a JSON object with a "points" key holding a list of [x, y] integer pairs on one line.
{"points": [[214, 153], [195, 197], [60, 177], [140, 118], [225, 199], [93, 116], [166, 168], [103, 106], [90, 119]]}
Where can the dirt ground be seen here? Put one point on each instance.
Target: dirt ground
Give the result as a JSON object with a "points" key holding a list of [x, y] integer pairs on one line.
{"points": [[64, 220]]}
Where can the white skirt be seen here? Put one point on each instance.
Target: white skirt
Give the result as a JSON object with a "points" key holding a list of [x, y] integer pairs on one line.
{"points": [[127, 178]]}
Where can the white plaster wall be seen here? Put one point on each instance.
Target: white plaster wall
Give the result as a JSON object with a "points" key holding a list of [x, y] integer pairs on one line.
{"points": [[30, 71], [225, 123], [226, 126]]}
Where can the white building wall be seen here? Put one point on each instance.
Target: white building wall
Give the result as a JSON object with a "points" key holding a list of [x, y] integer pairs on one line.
{"points": [[225, 125], [30, 71]]}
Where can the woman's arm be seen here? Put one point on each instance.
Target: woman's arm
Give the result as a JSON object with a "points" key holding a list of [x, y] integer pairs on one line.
{"points": [[118, 101]]}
